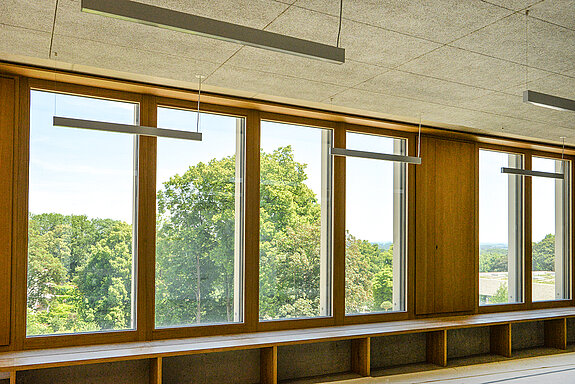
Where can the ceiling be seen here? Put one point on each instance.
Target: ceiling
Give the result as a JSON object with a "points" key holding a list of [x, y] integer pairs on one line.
{"points": [[458, 64]]}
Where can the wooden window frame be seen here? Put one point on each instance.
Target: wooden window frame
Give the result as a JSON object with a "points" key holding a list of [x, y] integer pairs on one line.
{"points": [[527, 303], [150, 97], [409, 312]]}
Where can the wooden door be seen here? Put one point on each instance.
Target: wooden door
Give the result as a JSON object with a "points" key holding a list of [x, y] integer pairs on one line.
{"points": [[445, 227]]}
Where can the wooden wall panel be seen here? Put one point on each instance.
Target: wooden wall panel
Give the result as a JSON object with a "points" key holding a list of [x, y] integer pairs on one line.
{"points": [[7, 120], [445, 229], [425, 229]]}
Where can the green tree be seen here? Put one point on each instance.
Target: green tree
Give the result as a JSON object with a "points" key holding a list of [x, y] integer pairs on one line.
{"points": [[544, 254], [493, 260], [501, 295], [79, 270], [105, 280], [195, 245]]}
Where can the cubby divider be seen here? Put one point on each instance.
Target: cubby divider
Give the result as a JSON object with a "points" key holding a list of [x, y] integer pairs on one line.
{"points": [[436, 349], [156, 370], [500, 339], [269, 365], [360, 356]]}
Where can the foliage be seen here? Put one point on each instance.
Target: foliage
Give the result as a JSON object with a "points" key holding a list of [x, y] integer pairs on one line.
{"points": [[501, 295], [79, 274], [544, 254], [80, 268]]}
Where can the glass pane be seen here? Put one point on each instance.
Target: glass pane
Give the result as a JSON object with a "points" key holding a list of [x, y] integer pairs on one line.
{"points": [[500, 229], [295, 221], [550, 226], [80, 261], [375, 227], [199, 260]]}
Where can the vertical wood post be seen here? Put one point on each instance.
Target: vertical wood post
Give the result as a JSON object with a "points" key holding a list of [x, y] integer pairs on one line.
{"points": [[360, 356], [156, 370], [269, 365], [500, 339], [436, 350], [13, 377], [556, 333]]}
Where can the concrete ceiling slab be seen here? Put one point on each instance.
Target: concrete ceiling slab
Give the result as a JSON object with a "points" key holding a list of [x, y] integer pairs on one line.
{"points": [[387, 104], [557, 85], [71, 22], [438, 20], [251, 13], [557, 12], [36, 15], [348, 74], [513, 106], [378, 46], [515, 5], [270, 83], [551, 47], [458, 63], [21, 41], [466, 67], [306, 24], [422, 88], [91, 53]]}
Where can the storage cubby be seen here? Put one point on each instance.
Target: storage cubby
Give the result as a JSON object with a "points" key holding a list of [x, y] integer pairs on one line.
{"points": [[232, 367], [398, 350], [467, 342], [332, 359], [125, 372], [527, 335], [571, 330]]}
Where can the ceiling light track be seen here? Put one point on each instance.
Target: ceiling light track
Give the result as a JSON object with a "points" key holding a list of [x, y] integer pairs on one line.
{"points": [[203, 26]]}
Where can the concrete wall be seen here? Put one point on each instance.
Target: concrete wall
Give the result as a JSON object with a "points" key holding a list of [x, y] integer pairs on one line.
{"points": [[527, 335], [467, 342], [220, 367], [306, 360], [125, 372], [570, 331], [389, 351]]}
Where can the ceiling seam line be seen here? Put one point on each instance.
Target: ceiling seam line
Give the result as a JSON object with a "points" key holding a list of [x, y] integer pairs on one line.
{"points": [[132, 47]]}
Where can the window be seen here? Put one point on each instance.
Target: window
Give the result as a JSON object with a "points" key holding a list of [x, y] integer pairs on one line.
{"points": [[81, 209], [295, 221], [375, 227], [500, 229], [551, 268], [199, 240]]}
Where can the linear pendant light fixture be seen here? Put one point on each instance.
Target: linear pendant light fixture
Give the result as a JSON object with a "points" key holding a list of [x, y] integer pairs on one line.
{"points": [[538, 98], [125, 128], [374, 155], [525, 172], [203, 26], [548, 101]]}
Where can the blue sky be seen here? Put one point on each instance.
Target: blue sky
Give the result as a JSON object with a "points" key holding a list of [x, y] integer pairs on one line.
{"points": [[493, 199], [75, 171]]}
